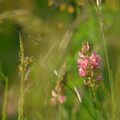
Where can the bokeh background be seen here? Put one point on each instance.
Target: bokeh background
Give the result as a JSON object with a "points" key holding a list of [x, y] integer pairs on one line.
{"points": [[52, 32]]}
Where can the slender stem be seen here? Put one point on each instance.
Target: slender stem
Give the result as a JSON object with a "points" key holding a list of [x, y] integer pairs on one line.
{"points": [[93, 101], [113, 98], [21, 100], [106, 52], [100, 20], [98, 117], [105, 90], [5, 96], [60, 112], [99, 13]]}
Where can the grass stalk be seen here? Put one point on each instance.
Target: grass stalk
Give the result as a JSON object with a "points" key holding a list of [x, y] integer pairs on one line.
{"points": [[94, 103], [21, 99], [100, 20], [113, 98], [110, 75]]}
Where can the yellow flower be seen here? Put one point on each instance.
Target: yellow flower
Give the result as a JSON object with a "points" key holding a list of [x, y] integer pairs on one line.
{"points": [[70, 9]]}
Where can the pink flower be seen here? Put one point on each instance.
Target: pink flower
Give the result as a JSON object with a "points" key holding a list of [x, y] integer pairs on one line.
{"points": [[95, 60], [57, 98], [83, 63], [82, 72], [62, 99], [89, 66]]}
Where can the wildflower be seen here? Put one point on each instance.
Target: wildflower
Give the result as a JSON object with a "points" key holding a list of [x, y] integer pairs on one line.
{"points": [[89, 66], [57, 94], [62, 99], [57, 98], [70, 9]]}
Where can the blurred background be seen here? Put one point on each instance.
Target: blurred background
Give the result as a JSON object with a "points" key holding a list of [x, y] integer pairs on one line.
{"points": [[52, 32]]}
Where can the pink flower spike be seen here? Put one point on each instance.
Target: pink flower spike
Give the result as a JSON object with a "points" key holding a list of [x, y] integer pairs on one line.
{"points": [[62, 99], [95, 60]]}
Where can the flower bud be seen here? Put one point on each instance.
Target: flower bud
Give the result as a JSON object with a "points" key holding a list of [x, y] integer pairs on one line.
{"points": [[85, 47]]}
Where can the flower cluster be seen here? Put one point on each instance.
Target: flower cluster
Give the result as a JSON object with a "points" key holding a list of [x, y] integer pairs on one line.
{"points": [[89, 66], [58, 93]]}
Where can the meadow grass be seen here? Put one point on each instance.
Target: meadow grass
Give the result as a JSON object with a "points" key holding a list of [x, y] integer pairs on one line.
{"points": [[51, 53], [22, 79]]}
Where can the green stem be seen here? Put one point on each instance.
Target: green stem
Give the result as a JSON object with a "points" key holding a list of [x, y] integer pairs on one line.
{"points": [[105, 90], [100, 19], [110, 75], [5, 97], [94, 103], [60, 112], [21, 100], [97, 111], [113, 98]]}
